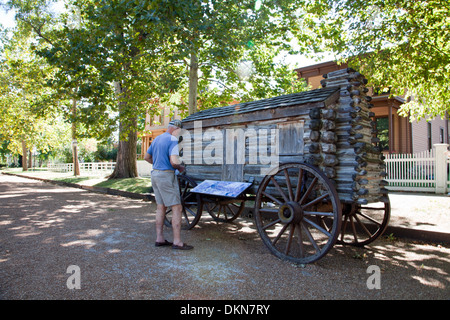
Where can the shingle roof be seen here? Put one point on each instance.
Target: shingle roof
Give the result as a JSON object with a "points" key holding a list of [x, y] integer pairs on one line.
{"points": [[312, 96]]}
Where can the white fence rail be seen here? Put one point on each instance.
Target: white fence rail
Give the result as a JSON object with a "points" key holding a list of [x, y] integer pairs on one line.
{"points": [[93, 168], [425, 171], [85, 167]]}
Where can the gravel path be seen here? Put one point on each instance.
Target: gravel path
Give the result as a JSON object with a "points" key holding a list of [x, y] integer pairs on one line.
{"points": [[44, 229]]}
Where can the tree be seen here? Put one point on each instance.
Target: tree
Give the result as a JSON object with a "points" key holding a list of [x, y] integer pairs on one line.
{"points": [[399, 44], [35, 18], [22, 85], [120, 44], [100, 64], [214, 38]]}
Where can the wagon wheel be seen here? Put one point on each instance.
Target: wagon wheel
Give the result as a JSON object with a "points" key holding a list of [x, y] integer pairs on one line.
{"points": [[362, 224], [286, 211], [225, 210], [191, 202]]}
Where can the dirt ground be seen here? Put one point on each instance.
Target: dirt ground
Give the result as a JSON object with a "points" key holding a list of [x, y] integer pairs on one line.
{"points": [[45, 229]]}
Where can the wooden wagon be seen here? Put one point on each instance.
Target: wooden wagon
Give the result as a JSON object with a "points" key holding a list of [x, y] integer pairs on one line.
{"points": [[311, 160]]}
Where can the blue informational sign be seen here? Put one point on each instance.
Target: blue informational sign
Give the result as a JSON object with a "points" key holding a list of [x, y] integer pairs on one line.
{"points": [[221, 188]]}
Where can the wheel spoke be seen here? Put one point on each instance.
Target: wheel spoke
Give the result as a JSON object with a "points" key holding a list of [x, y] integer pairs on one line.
{"points": [[279, 234], [362, 225], [190, 211], [230, 209], [299, 185], [208, 207], [288, 183], [352, 223], [300, 241], [234, 205], [310, 188], [272, 197], [279, 189], [291, 233], [186, 216], [344, 227], [220, 211], [369, 218], [271, 224], [315, 225], [316, 200], [311, 238], [224, 209], [183, 194]]}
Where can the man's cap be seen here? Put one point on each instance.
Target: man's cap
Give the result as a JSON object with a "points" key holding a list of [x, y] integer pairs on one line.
{"points": [[176, 123]]}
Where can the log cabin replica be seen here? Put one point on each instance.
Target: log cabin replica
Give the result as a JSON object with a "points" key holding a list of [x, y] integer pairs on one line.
{"points": [[310, 159]]}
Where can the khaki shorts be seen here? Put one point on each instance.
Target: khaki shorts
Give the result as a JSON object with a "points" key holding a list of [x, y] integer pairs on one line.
{"points": [[165, 186]]}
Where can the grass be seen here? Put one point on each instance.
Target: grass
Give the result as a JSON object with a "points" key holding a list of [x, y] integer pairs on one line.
{"points": [[136, 185]]}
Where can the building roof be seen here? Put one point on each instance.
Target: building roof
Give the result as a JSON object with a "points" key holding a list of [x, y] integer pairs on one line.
{"points": [[300, 98]]}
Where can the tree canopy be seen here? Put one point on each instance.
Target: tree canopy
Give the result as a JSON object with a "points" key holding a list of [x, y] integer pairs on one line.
{"points": [[117, 57], [397, 44], [104, 64]]}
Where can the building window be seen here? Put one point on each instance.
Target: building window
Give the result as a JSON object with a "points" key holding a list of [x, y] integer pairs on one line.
{"points": [[383, 132], [430, 143], [441, 135]]}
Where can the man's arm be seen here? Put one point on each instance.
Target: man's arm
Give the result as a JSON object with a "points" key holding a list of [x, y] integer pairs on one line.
{"points": [[176, 163], [148, 157]]}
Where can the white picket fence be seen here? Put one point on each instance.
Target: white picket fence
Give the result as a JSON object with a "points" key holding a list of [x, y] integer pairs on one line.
{"points": [[94, 168], [425, 171], [85, 167]]}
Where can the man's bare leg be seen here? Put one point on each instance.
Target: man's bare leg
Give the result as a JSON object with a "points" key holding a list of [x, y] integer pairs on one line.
{"points": [[176, 224], [160, 214]]}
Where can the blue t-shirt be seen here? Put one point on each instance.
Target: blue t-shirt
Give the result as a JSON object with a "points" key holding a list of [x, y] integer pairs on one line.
{"points": [[161, 149]]}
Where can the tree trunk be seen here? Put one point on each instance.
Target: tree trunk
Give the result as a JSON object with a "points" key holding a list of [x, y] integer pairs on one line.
{"points": [[193, 83], [24, 156], [126, 166], [76, 165], [30, 159]]}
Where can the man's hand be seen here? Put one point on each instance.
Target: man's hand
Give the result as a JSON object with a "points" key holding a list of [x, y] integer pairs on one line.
{"points": [[176, 163]]}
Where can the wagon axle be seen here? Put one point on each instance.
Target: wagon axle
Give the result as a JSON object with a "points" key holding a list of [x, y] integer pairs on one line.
{"points": [[290, 212]]}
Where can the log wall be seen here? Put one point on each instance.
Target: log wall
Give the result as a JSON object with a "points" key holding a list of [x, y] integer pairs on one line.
{"points": [[357, 166]]}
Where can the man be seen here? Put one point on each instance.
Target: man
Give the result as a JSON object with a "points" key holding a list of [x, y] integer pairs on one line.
{"points": [[164, 156]]}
